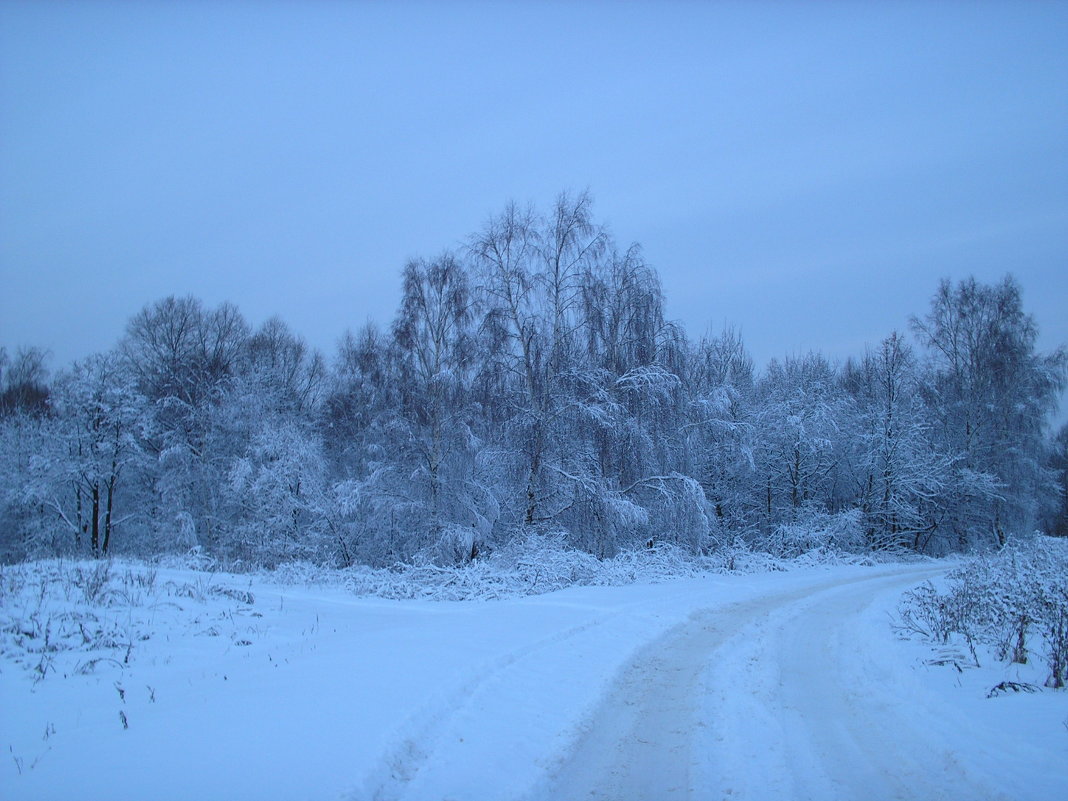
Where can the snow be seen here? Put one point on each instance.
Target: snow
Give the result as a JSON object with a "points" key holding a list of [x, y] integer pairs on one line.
{"points": [[836, 708], [784, 685]]}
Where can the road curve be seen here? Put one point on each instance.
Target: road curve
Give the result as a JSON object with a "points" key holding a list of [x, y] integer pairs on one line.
{"points": [[761, 700]]}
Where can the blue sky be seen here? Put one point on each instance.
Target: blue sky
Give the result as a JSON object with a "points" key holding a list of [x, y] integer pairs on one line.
{"points": [[805, 171]]}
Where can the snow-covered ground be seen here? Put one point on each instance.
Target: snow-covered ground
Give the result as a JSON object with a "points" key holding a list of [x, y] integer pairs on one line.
{"points": [[773, 686]]}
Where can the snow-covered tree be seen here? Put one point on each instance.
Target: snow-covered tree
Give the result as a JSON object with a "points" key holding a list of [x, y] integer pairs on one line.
{"points": [[799, 437], [95, 434], [530, 388], [435, 444], [185, 358], [720, 431], [900, 480], [277, 496], [1057, 463], [992, 393]]}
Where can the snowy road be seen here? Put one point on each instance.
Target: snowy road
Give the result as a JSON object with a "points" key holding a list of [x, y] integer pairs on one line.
{"points": [[819, 719], [758, 683], [791, 692], [640, 743]]}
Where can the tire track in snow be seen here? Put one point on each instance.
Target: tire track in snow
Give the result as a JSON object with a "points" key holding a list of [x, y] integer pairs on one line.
{"points": [[416, 740], [821, 718], [640, 744]]}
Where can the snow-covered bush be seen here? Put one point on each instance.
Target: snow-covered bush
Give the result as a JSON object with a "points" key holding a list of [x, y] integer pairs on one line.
{"points": [[537, 563], [1013, 602], [814, 529], [540, 562]]}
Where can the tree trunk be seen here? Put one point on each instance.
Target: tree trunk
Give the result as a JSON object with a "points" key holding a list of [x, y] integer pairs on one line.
{"points": [[532, 477], [95, 539], [107, 516]]}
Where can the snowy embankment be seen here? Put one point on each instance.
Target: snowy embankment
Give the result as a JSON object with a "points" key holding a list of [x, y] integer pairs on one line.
{"points": [[757, 686]]}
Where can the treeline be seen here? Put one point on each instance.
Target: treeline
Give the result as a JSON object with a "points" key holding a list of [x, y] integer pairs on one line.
{"points": [[530, 382]]}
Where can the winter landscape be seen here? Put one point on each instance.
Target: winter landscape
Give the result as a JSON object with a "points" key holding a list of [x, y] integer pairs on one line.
{"points": [[742, 680], [523, 525]]}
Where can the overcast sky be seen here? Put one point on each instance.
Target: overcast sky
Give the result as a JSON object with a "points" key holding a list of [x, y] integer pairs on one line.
{"points": [[805, 171]]}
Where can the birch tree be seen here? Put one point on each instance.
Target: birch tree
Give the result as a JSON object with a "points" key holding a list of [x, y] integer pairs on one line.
{"points": [[99, 423], [992, 393]]}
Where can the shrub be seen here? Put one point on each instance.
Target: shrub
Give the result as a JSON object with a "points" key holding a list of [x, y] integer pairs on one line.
{"points": [[1014, 601]]}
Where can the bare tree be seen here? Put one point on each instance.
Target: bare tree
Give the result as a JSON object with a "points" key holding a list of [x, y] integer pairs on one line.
{"points": [[24, 381]]}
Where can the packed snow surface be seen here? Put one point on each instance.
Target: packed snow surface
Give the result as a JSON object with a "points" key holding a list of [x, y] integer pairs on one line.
{"points": [[775, 686]]}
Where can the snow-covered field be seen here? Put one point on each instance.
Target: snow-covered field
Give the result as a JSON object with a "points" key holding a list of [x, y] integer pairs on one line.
{"points": [[770, 686]]}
